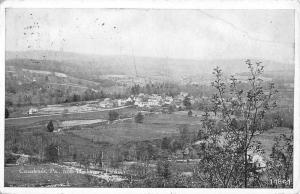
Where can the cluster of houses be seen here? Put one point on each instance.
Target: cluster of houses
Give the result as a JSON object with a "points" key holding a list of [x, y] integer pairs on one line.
{"points": [[145, 101], [154, 100], [142, 101]]}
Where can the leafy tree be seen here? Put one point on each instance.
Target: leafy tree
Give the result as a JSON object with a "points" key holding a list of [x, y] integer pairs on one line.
{"points": [[50, 126], [6, 113], [139, 118], [112, 115], [227, 159]]}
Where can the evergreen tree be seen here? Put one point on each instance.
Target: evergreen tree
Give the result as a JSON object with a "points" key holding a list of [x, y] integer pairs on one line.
{"points": [[50, 126]]}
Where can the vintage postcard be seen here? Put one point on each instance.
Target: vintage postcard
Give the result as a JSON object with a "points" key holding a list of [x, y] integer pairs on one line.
{"points": [[175, 96]]}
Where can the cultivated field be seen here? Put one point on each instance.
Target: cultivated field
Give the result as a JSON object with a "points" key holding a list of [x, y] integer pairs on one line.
{"points": [[154, 126]]}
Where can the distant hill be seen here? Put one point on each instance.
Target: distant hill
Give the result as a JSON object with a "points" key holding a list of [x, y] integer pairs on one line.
{"points": [[83, 66]]}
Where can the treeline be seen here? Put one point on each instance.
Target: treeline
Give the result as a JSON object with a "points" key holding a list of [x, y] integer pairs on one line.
{"points": [[58, 96], [171, 89]]}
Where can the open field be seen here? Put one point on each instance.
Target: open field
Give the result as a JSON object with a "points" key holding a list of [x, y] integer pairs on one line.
{"points": [[80, 122], [154, 126]]}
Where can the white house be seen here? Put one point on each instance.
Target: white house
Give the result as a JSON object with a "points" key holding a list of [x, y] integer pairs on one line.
{"points": [[32, 111]]}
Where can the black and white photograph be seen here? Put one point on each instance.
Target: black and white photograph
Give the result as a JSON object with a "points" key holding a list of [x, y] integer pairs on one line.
{"points": [[149, 98]]}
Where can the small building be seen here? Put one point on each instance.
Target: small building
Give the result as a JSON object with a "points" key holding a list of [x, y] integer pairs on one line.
{"points": [[32, 111]]}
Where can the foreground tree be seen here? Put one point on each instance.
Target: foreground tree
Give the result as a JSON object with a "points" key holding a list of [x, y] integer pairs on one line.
{"points": [[227, 158]]}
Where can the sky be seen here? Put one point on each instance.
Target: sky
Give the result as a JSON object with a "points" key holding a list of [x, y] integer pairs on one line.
{"points": [[186, 34]]}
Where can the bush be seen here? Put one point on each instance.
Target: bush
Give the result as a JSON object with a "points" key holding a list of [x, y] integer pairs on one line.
{"points": [[112, 115], [139, 118]]}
